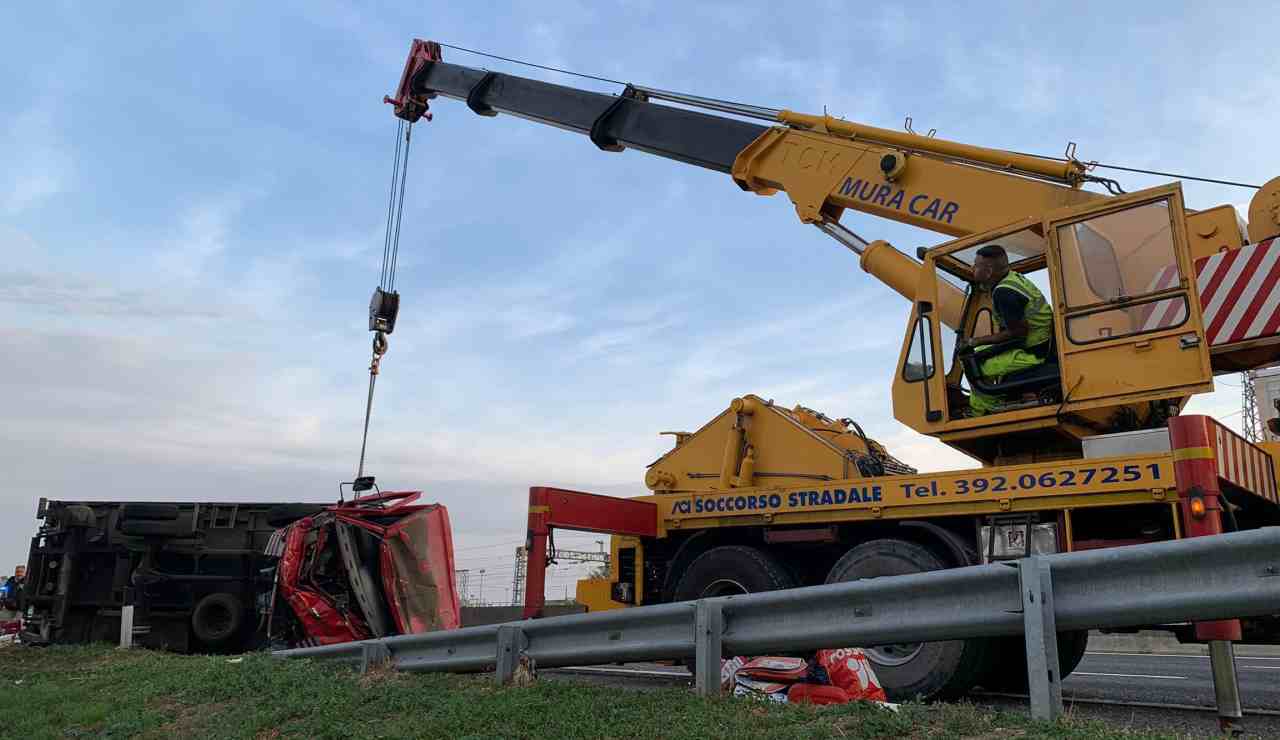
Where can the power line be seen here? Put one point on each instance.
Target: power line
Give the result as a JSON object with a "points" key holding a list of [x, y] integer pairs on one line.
{"points": [[1123, 168], [532, 64], [485, 547]]}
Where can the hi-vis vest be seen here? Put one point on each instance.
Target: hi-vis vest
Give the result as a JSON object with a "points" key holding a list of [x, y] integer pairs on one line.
{"points": [[1039, 316]]}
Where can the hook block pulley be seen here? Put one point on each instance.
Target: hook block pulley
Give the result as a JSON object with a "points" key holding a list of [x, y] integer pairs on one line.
{"points": [[384, 306]]}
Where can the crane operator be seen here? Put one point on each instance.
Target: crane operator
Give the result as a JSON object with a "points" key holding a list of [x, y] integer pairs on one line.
{"points": [[1021, 313]]}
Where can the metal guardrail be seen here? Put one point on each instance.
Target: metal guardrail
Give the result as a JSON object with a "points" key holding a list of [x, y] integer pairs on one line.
{"points": [[1198, 579]]}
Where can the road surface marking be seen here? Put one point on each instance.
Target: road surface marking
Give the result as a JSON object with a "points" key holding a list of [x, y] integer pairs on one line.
{"points": [[1127, 675], [1169, 655], [625, 671], [1113, 702]]}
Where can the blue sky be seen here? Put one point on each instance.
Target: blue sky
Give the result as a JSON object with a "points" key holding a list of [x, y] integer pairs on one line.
{"points": [[192, 202]]}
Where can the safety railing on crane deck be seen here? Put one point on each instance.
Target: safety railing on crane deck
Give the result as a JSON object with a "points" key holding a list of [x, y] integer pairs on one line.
{"points": [[1203, 578]]}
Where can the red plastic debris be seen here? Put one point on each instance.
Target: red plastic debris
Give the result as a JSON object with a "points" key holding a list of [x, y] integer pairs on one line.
{"points": [[812, 693], [849, 669]]}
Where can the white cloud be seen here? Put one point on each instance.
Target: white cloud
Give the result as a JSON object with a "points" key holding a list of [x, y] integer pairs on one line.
{"points": [[1018, 77], [203, 232], [61, 296], [37, 166], [815, 85]]}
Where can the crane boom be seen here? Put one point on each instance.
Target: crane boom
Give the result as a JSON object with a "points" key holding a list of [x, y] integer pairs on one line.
{"points": [[611, 121], [824, 164]]}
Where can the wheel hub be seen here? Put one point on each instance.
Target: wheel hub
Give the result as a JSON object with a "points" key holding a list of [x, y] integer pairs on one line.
{"points": [[899, 653], [723, 587], [218, 619]]}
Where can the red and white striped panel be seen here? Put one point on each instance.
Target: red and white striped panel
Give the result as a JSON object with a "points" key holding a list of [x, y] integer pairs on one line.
{"points": [[1244, 465], [1240, 292], [1166, 313]]}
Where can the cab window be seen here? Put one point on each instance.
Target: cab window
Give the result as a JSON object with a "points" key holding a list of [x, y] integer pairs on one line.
{"points": [[1119, 256], [1113, 267], [919, 362]]}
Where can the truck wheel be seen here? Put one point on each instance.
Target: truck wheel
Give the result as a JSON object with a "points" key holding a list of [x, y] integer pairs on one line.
{"points": [[78, 516], [1009, 670], [928, 670], [217, 618], [1071, 648], [731, 570]]}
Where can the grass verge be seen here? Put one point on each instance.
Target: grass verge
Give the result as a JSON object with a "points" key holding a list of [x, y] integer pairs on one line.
{"points": [[97, 691]]}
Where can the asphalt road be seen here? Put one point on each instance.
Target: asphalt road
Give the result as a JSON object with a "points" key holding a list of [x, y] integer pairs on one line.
{"points": [[1170, 679]]}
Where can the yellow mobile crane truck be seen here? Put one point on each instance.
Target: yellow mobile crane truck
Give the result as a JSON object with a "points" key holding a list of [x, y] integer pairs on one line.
{"points": [[1088, 450]]}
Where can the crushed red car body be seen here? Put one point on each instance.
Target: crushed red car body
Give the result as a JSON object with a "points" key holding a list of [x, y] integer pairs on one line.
{"points": [[376, 566]]}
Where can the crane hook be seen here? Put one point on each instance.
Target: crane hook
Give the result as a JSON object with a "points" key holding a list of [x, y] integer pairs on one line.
{"points": [[379, 349]]}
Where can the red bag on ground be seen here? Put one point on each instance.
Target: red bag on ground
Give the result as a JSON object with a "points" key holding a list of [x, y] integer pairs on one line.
{"points": [[774, 668], [850, 670], [812, 693]]}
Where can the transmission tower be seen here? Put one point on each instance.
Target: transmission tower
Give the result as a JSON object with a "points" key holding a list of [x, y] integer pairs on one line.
{"points": [[1250, 424], [461, 577], [517, 581], [568, 556]]}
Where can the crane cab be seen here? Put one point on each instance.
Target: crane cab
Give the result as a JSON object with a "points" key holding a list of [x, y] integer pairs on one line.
{"points": [[1128, 344]]}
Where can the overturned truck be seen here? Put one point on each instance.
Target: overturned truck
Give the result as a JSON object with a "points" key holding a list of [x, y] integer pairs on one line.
{"points": [[229, 577]]}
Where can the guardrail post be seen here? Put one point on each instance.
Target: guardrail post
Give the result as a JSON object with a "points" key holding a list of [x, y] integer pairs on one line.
{"points": [[708, 648], [372, 654], [1222, 661], [126, 626], [511, 642], [1043, 680]]}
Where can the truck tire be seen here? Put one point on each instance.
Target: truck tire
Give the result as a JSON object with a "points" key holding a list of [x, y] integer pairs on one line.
{"points": [[286, 514], [78, 516], [731, 570], [1009, 670], [217, 618], [152, 512], [1071, 649], [727, 571], [930, 670]]}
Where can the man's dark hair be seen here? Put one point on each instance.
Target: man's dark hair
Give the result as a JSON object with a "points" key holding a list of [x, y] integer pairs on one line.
{"points": [[994, 252]]}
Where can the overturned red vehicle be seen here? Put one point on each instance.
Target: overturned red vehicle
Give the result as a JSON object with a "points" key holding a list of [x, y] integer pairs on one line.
{"points": [[376, 566]]}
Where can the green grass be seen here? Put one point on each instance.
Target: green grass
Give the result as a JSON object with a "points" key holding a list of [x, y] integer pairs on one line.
{"points": [[97, 691]]}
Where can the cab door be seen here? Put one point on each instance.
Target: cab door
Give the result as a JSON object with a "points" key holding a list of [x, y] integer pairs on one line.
{"points": [[919, 390], [1125, 309], [920, 386]]}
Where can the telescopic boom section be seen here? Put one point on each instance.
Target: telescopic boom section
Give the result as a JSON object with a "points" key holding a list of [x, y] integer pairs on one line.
{"points": [[824, 164], [612, 121]]}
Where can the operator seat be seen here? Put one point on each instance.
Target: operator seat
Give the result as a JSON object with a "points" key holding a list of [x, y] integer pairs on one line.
{"points": [[1044, 380]]}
